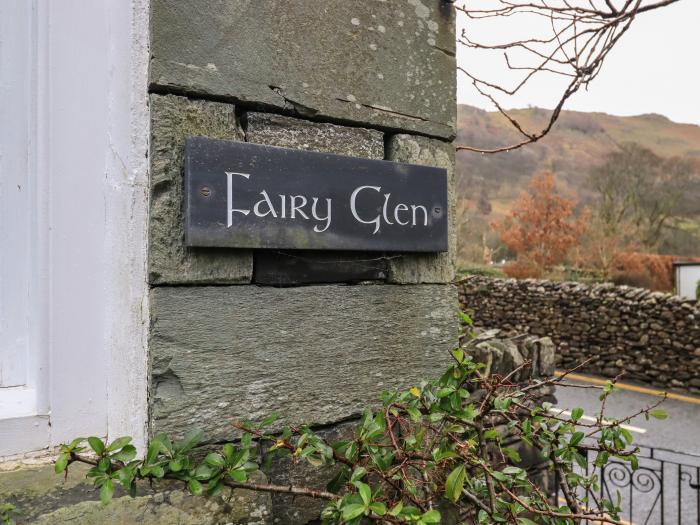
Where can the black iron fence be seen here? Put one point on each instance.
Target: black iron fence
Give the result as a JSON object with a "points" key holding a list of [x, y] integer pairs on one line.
{"points": [[664, 490]]}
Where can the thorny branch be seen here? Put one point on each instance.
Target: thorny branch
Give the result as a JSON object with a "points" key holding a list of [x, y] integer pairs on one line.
{"points": [[578, 37]]}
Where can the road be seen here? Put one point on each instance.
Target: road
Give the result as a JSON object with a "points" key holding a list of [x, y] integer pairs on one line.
{"points": [[664, 489]]}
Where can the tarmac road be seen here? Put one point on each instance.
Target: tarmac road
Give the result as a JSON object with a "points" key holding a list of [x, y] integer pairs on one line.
{"points": [[666, 488], [680, 432]]}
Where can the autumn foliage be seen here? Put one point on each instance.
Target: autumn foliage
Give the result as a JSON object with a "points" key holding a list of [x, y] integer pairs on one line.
{"points": [[541, 228], [645, 270]]}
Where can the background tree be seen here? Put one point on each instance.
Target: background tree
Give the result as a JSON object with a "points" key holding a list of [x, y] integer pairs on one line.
{"points": [[640, 194], [540, 228]]}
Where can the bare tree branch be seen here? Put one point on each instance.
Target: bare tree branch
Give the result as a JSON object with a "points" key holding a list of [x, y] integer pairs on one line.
{"points": [[580, 36]]}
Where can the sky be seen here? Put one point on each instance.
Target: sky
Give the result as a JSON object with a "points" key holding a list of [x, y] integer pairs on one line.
{"points": [[654, 68]]}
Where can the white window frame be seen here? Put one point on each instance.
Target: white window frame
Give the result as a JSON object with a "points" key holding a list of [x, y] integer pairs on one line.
{"points": [[87, 296]]}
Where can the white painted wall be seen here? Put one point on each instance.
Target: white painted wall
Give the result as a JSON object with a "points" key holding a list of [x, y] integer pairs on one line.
{"points": [[687, 277], [88, 293]]}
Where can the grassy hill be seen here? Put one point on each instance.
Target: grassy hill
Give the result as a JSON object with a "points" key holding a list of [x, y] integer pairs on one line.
{"points": [[578, 142]]}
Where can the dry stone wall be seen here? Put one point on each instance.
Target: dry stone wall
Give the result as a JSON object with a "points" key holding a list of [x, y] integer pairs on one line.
{"points": [[652, 337]]}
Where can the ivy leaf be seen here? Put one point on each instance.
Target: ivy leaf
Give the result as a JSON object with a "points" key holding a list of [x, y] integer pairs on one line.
{"points": [[455, 483]]}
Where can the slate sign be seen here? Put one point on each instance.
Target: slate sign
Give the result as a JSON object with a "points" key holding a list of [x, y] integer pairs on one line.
{"points": [[242, 195]]}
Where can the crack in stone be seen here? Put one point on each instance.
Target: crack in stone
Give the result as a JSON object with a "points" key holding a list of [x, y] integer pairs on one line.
{"points": [[298, 107], [447, 52], [386, 110]]}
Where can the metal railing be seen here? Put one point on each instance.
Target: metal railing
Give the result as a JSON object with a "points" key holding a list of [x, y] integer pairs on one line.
{"points": [[664, 490]]}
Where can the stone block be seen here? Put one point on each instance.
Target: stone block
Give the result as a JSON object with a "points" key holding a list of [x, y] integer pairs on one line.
{"points": [[390, 65], [426, 268], [288, 132], [301, 510], [169, 261], [314, 354], [44, 498]]}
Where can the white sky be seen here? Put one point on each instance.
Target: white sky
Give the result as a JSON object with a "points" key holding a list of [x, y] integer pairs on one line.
{"points": [[654, 68]]}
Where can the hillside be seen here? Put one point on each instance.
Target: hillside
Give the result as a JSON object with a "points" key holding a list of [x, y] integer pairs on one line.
{"points": [[578, 142]]}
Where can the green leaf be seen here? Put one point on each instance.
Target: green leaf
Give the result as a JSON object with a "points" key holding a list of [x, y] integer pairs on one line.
{"points": [[432, 516], [491, 434], [268, 420], [499, 476], [126, 454], [103, 464], [61, 463], [576, 438], [154, 448], [194, 486], [378, 508], [75, 443], [576, 414], [175, 465], [352, 511], [238, 475], [414, 413], [658, 414], [125, 476], [358, 474], [191, 440], [626, 434], [106, 491], [512, 455], [96, 444], [229, 451], [634, 461], [119, 443], [365, 492], [203, 472], [214, 460], [455, 483], [396, 510], [526, 521]]}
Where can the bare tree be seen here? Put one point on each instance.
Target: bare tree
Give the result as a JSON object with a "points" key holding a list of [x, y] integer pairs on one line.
{"points": [[577, 37], [643, 194]]}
